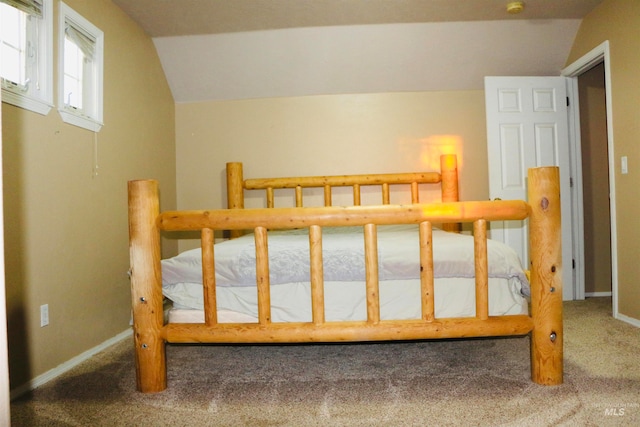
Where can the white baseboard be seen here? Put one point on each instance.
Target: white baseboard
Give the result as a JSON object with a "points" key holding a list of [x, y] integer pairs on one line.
{"points": [[66, 366], [629, 320], [597, 294]]}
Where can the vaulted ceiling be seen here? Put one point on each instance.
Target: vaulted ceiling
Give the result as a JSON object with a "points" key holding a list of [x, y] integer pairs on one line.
{"points": [[237, 49], [164, 18]]}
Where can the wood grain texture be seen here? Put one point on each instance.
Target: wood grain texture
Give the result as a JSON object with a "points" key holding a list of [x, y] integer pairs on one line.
{"points": [[449, 177], [146, 286], [481, 267], [262, 275], [426, 271], [349, 331], [546, 276], [209, 277], [235, 190], [371, 273], [317, 274], [288, 218]]}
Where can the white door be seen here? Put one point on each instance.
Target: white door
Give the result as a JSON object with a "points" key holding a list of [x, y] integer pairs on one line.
{"points": [[527, 126]]}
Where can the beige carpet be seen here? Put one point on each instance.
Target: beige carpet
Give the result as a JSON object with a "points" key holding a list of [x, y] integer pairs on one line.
{"points": [[484, 382]]}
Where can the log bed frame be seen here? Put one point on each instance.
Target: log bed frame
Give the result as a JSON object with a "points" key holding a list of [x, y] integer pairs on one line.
{"points": [[544, 324]]}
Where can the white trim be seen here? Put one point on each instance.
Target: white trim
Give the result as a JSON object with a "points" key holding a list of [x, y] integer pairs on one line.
{"points": [[577, 202], [629, 320], [597, 294], [68, 365], [79, 120], [36, 105], [5, 406], [594, 57]]}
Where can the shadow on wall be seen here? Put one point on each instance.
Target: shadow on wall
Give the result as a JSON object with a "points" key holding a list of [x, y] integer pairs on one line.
{"points": [[14, 238]]}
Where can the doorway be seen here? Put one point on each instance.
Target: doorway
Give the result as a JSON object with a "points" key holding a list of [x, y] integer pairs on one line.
{"points": [[599, 56], [595, 182]]}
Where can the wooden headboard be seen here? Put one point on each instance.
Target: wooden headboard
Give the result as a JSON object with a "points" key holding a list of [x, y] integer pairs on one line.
{"points": [[447, 177]]}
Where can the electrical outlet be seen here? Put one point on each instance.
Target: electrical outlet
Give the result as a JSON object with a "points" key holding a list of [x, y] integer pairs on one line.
{"points": [[44, 315], [624, 166]]}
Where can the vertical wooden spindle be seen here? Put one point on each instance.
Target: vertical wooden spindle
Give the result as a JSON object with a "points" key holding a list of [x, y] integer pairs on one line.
{"points": [[298, 196], [385, 193], [327, 195], [209, 277], [426, 271], [270, 197], [371, 267], [415, 193], [235, 190], [262, 276], [317, 274], [356, 195], [449, 176], [482, 268]]}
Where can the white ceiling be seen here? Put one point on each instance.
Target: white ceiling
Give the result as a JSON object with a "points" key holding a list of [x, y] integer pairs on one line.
{"points": [[238, 49]]}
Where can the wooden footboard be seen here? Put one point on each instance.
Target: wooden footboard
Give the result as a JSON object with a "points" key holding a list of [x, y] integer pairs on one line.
{"points": [[545, 322]]}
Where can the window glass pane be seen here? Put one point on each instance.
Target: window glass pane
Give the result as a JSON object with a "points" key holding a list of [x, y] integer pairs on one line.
{"points": [[26, 48], [11, 69], [73, 91], [73, 75], [85, 42], [71, 59], [30, 7], [12, 25], [80, 78], [13, 39]]}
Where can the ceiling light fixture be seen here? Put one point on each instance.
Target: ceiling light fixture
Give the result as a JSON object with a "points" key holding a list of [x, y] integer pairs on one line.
{"points": [[515, 7]]}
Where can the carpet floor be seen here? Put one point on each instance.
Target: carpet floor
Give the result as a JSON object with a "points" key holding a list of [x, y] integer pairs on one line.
{"points": [[479, 382]]}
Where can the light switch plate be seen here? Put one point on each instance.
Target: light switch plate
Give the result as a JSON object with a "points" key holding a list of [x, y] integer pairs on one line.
{"points": [[624, 167]]}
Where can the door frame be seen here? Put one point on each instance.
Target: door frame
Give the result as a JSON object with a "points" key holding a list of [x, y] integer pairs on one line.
{"points": [[599, 54], [5, 400]]}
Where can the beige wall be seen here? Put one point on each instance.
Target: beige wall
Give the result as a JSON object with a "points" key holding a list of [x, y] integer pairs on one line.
{"points": [[328, 134], [66, 232], [619, 22]]}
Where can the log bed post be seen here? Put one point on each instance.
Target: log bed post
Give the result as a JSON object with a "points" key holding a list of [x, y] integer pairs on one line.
{"points": [[546, 276], [449, 179], [235, 190], [146, 286]]}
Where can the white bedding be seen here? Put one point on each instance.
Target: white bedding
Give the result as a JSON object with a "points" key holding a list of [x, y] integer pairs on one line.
{"points": [[343, 257]]}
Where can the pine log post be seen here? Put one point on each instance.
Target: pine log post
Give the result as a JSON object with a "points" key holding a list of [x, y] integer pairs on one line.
{"points": [[146, 286], [235, 190], [449, 177], [546, 276]]}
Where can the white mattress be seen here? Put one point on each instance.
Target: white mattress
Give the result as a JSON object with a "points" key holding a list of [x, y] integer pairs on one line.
{"points": [[344, 272], [399, 300]]}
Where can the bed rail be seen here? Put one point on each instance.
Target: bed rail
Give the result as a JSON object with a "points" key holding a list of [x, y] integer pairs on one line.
{"points": [[447, 177], [545, 322]]}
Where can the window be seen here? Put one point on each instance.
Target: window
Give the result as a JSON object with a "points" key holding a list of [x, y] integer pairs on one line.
{"points": [[26, 48], [81, 47]]}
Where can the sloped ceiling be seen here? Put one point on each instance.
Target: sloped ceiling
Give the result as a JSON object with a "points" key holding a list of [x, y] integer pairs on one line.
{"points": [[238, 49]]}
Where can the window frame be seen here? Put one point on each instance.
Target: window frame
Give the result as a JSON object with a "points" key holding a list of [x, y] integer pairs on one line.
{"points": [[93, 90], [38, 95]]}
